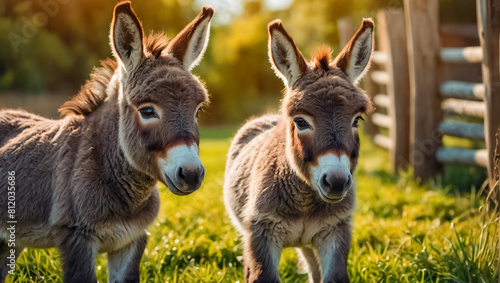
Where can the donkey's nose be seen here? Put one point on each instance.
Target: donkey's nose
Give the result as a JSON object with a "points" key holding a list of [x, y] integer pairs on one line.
{"points": [[190, 176], [333, 184]]}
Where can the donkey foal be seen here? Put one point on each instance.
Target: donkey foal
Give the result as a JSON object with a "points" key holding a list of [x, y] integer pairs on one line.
{"points": [[288, 180], [86, 184]]}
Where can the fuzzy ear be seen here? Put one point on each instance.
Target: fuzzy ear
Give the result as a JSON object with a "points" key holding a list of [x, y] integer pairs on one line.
{"points": [[285, 57], [355, 57], [190, 44], [126, 36]]}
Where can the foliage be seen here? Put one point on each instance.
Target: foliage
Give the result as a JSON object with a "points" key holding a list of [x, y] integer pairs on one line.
{"points": [[53, 44], [403, 232]]}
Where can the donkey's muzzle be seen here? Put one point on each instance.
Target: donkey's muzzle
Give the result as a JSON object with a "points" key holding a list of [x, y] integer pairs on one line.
{"points": [[182, 169], [334, 185], [190, 177], [332, 177]]}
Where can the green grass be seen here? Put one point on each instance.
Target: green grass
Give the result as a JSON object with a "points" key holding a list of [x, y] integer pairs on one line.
{"points": [[403, 232]]}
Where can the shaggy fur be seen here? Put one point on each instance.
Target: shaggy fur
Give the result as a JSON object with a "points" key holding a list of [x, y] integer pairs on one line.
{"points": [[268, 190], [86, 184]]}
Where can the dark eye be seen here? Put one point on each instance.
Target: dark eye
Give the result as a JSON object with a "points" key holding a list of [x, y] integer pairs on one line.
{"points": [[301, 123], [198, 112], [148, 113], [356, 120]]}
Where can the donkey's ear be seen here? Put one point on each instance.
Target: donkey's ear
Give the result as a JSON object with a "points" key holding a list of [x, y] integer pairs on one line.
{"points": [[190, 44], [285, 57], [355, 57], [126, 36]]}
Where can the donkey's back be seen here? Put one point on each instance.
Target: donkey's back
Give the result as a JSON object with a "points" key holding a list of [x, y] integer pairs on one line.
{"points": [[13, 122], [28, 150], [252, 128]]}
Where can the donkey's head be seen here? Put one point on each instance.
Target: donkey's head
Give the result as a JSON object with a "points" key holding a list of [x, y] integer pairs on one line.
{"points": [[159, 99], [322, 108]]}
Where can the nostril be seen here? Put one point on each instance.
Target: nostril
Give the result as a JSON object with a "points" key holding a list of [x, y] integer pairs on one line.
{"points": [[324, 182], [348, 183], [180, 174]]}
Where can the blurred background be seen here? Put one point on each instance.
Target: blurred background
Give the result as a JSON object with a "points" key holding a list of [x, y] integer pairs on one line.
{"points": [[49, 47]]}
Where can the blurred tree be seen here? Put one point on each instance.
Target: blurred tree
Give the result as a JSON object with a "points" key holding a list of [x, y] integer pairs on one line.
{"points": [[53, 44]]}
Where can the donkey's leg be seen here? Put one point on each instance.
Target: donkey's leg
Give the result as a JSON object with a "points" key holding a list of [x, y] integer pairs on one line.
{"points": [[5, 258], [333, 249], [77, 256], [309, 257], [261, 256], [123, 264]]}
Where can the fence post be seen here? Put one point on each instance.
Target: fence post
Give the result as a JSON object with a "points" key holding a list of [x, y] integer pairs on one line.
{"points": [[488, 15], [422, 31], [392, 24]]}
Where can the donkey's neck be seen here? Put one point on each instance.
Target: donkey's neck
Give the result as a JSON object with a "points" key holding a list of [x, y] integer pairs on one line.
{"points": [[295, 192], [130, 185]]}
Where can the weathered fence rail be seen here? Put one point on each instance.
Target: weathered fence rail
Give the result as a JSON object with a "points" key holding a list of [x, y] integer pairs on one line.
{"points": [[462, 55], [419, 99], [462, 90]]}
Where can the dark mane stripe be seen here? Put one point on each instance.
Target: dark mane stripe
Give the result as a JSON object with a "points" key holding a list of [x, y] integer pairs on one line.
{"points": [[156, 43], [322, 57], [93, 92]]}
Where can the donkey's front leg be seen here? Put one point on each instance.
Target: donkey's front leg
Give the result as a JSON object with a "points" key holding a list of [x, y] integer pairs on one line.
{"points": [[261, 256], [333, 250], [123, 264], [78, 256]]}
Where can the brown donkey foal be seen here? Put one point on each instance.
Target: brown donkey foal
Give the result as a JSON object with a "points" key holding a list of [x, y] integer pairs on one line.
{"points": [[86, 184], [288, 180]]}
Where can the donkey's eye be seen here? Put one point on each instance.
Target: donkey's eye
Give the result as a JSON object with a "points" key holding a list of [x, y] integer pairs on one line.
{"points": [[301, 123], [356, 120], [198, 111], [148, 113]]}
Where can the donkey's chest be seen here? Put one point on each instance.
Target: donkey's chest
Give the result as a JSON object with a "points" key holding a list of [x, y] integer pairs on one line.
{"points": [[294, 233], [117, 236], [123, 231]]}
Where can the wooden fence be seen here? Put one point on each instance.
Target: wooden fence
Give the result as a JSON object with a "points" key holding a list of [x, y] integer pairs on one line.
{"points": [[414, 94]]}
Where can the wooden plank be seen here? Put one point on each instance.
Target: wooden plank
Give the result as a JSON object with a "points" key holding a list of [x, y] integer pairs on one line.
{"points": [[380, 77], [382, 100], [379, 57], [462, 90], [462, 130], [383, 141], [462, 55], [477, 157], [382, 120], [464, 30], [463, 107], [392, 23], [488, 15], [422, 26]]}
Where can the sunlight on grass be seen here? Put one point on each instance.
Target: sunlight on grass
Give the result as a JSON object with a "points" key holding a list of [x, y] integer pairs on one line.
{"points": [[403, 232]]}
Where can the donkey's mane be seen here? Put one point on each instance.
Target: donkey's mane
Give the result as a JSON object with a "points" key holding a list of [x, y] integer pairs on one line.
{"points": [[322, 57], [93, 92]]}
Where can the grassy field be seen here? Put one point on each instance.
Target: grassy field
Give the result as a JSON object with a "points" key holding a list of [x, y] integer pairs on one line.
{"points": [[403, 232]]}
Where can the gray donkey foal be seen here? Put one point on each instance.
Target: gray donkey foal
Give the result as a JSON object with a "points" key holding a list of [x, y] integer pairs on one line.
{"points": [[288, 180], [86, 184]]}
